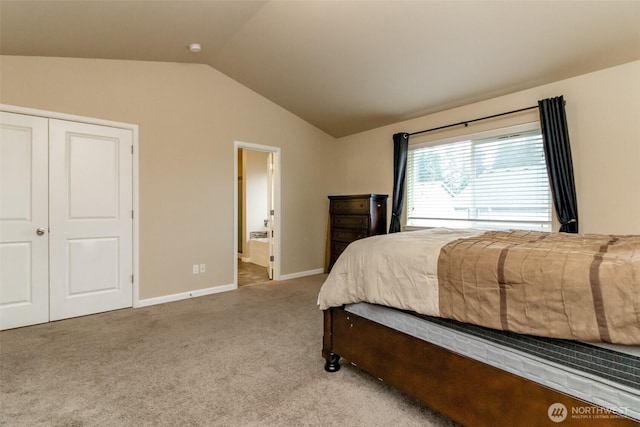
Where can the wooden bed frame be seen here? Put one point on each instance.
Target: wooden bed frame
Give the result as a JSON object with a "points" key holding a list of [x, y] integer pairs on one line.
{"points": [[468, 391]]}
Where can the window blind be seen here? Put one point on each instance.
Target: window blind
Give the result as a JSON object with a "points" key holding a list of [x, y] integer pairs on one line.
{"points": [[496, 182]]}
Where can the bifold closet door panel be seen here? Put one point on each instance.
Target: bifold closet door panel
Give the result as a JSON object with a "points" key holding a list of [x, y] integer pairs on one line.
{"points": [[90, 181], [24, 237]]}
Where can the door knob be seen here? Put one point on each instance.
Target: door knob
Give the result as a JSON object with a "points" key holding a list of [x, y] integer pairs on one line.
{"points": [[40, 231]]}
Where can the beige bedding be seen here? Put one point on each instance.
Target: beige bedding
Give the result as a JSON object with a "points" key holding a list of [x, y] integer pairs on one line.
{"points": [[583, 287]]}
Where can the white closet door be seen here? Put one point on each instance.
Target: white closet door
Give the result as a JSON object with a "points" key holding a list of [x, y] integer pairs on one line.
{"points": [[24, 276], [91, 224]]}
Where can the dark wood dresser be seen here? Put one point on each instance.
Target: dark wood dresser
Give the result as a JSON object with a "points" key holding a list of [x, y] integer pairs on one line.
{"points": [[355, 217]]}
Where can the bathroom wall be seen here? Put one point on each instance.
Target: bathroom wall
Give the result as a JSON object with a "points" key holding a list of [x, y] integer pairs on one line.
{"points": [[255, 194]]}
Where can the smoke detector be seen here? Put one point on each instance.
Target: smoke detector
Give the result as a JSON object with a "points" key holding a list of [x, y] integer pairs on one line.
{"points": [[195, 47]]}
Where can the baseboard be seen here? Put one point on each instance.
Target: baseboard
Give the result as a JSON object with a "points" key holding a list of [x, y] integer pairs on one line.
{"points": [[214, 290], [301, 274], [184, 295]]}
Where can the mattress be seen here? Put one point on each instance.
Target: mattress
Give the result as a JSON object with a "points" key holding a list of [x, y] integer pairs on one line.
{"points": [[579, 287], [607, 376]]}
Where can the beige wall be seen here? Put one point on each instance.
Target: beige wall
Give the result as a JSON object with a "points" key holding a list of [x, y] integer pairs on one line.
{"points": [[189, 117], [255, 194], [603, 113]]}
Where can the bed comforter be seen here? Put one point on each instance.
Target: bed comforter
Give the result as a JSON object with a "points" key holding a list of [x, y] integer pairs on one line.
{"points": [[582, 287]]}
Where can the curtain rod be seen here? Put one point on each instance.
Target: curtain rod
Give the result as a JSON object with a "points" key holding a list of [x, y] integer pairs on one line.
{"points": [[466, 123]]}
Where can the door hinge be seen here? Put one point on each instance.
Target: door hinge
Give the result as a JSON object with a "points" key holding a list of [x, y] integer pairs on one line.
{"points": [[271, 258], [132, 278], [131, 214], [132, 149], [272, 212]]}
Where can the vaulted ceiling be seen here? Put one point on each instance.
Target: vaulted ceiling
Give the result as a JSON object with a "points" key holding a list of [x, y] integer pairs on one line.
{"points": [[344, 66]]}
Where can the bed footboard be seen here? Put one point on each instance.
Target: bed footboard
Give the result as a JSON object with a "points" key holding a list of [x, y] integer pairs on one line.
{"points": [[468, 391]]}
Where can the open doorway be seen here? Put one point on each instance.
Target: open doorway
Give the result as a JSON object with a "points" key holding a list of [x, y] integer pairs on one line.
{"points": [[256, 213]]}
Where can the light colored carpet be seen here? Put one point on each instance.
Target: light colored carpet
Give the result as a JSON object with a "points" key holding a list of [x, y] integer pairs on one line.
{"points": [[250, 357]]}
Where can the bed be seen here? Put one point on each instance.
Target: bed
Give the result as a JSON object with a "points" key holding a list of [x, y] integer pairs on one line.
{"points": [[493, 328]]}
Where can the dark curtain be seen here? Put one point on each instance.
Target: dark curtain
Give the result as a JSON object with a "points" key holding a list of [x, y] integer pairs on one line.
{"points": [[400, 149], [557, 151]]}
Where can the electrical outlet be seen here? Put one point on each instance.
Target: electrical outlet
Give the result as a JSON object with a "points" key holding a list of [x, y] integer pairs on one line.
{"points": [[203, 268], [196, 269]]}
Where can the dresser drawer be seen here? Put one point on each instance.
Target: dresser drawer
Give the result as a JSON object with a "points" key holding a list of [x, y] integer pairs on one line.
{"points": [[338, 247], [346, 235], [352, 221], [350, 206]]}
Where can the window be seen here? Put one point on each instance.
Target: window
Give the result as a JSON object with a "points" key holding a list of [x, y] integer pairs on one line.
{"points": [[494, 180]]}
